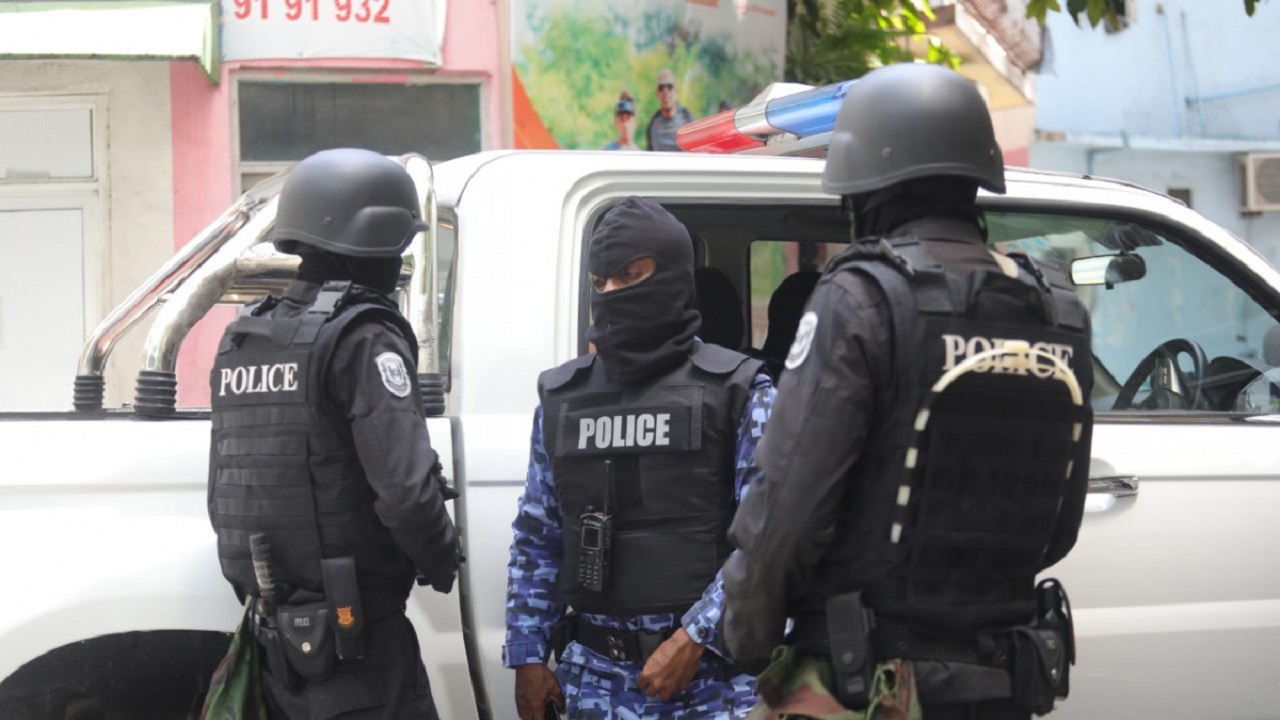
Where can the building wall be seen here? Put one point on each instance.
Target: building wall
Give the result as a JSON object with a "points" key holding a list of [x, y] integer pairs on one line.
{"points": [[1015, 129], [204, 174], [135, 202], [1138, 80], [1168, 102]]}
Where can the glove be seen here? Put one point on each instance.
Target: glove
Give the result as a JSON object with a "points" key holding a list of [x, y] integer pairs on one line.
{"points": [[445, 584], [447, 492]]}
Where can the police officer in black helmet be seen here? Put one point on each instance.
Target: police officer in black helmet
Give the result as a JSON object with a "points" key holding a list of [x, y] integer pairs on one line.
{"points": [[320, 462], [911, 580]]}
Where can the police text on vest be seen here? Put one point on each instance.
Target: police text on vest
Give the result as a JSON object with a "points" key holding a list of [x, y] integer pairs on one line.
{"points": [[959, 347], [259, 379], [619, 431]]}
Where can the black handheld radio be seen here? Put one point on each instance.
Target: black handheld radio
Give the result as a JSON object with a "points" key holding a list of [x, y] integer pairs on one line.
{"points": [[595, 540]]}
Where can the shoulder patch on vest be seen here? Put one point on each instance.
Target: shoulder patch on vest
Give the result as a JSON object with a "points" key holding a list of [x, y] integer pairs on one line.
{"points": [[716, 359], [804, 340], [394, 374], [562, 374]]}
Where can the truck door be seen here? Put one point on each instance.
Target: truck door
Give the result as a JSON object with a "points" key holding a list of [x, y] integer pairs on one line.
{"points": [[1172, 575]]}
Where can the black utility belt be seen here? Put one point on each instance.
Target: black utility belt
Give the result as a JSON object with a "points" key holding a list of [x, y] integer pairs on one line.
{"points": [[1038, 656], [303, 638], [633, 646], [894, 639]]}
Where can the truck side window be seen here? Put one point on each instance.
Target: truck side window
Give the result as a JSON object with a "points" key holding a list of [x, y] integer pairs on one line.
{"points": [[1170, 331], [783, 273]]}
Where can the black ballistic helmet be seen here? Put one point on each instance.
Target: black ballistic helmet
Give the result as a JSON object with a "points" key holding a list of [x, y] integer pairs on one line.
{"points": [[909, 121], [350, 202]]}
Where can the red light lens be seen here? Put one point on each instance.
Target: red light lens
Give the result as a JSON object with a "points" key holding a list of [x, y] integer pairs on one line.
{"points": [[715, 134]]}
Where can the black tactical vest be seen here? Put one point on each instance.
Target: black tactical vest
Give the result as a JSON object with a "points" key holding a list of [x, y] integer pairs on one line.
{"points": [[943, 580], [672, 443], [282, 461]]}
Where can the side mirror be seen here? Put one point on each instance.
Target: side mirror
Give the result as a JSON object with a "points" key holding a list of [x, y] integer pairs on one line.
{"points": [[1108, 269]]}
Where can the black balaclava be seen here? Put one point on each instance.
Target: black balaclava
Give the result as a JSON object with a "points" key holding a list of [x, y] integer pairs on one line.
{"points": [[786, 307], [647, 329], [880, 212], [319, 266]]}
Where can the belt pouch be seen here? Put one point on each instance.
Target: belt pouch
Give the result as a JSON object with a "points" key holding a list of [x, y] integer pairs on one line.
{"points": [[1039, 668], [849, 626], [308, 639], [1053, 612], [345, 612]]}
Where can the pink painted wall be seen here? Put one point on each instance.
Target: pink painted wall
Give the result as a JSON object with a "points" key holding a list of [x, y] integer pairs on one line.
{"points": [[203, 175]]}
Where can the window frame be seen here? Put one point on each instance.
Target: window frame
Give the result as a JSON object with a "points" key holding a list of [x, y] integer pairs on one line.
{"points": [[241, 167], [1198, 246], [91, 195], [750, 285]]}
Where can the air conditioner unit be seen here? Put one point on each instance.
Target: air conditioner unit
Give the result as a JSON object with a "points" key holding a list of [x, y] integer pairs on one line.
{"points": [[1260, 182]]}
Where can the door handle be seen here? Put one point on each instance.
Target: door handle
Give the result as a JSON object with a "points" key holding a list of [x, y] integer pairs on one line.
{"points": [[1114, 485], [1103, 491]]}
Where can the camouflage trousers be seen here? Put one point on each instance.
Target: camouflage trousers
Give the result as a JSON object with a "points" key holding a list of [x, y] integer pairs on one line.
{"points": [[590, 694], [799, 687]]}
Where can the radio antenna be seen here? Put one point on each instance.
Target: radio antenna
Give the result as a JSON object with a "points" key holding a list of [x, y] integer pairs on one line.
{"points": [[608, 484]]}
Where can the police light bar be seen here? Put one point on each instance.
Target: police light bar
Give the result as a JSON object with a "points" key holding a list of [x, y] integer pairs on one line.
{"points": [[802, 114]]}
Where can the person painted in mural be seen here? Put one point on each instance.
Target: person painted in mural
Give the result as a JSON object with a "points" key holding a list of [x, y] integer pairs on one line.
{"points": [[670, 117], [640, 453], [624, 119]]}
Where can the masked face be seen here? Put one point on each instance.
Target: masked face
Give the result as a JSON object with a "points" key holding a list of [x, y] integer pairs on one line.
{"points": [[642, 299]]}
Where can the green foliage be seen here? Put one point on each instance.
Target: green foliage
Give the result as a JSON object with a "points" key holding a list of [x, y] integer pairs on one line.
{"points": [[581, 62], [833, 40], [1095, 11]]}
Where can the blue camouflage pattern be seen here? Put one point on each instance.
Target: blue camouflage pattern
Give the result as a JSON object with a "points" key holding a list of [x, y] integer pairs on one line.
{"points": [[532, 608], [592, 695]]}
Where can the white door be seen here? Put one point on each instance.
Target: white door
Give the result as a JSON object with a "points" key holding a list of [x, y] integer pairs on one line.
{"points": [[48, 286], [1173, 580], [42, 324]]}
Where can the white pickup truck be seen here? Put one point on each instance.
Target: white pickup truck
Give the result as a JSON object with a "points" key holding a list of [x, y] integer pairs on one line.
{"points": [[113, 602]]}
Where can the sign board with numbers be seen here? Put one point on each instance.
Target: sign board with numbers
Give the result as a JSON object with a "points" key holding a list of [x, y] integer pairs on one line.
{"points": [[303, 29]]}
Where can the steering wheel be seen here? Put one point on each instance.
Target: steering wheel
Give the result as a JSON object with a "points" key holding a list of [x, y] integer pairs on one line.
{"points": [[1171, 388]]}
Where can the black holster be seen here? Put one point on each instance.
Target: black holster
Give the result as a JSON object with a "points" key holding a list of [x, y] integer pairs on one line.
{"points": [[849, 627], [307, 639], [346, 614], [309, 634], [268, 636], [563, 632], [1044, 651]]}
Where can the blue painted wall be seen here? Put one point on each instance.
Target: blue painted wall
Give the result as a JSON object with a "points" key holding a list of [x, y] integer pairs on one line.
{"points": [[1136, 84]]}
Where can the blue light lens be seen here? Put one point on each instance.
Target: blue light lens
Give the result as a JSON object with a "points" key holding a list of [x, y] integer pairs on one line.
{"points": [[810, 112]]}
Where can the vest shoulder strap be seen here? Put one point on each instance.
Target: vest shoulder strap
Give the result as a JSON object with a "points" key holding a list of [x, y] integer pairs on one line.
{"points": [[718, 360], [251, 321], [933, 290], [331, 298], [561, 375], [355, 307], [1062, 304], [297, 330]]}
